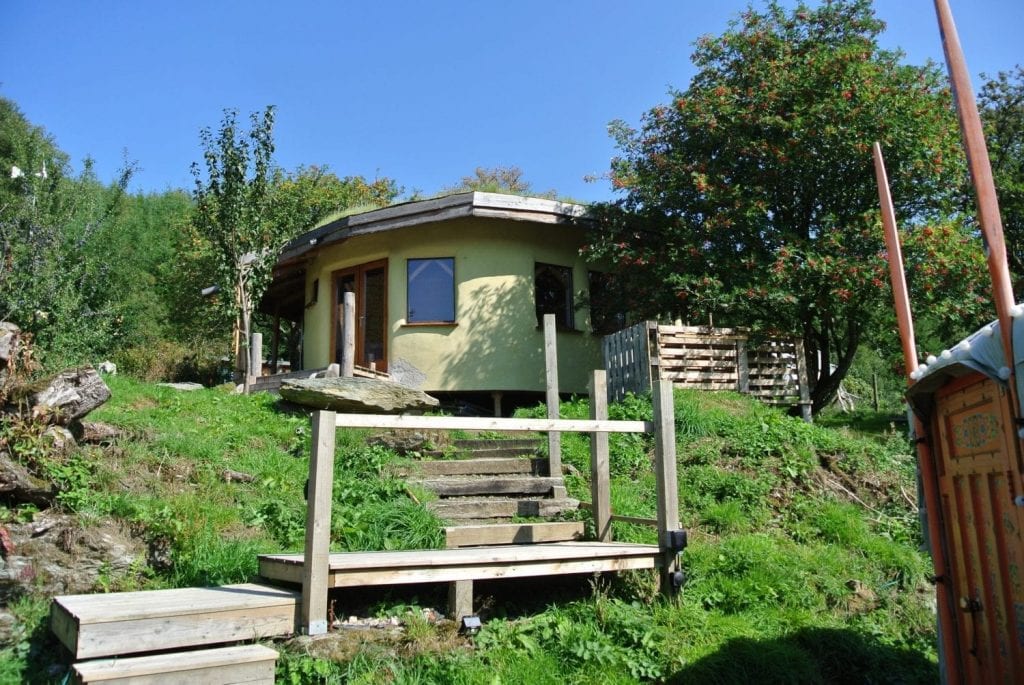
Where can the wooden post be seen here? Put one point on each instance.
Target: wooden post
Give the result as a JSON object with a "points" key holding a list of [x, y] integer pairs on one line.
{"points": [[348, 333], [496, 398], [460, 599], [256, 355], [803, 382], [874, 390], [275, 343], [318, 525], [551, 377], [600, 487], [742, 367], [665, 474]]}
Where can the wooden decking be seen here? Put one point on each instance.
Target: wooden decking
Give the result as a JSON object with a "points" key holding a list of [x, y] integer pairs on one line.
{"points": [[350, 569]]}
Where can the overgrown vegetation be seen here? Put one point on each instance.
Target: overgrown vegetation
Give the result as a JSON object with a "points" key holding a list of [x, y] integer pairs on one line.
{"points": [[803, 564]]}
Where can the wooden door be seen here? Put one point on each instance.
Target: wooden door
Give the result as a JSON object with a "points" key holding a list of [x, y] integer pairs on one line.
{"points": [[978, 467], [369, 283]]}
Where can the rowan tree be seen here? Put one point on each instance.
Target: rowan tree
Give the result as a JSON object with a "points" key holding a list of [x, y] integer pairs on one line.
{"points": [[750, 196]]}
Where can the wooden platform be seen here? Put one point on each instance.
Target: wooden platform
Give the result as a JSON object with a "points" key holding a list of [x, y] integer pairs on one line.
{"points": [[100, 625], [348, 569]]}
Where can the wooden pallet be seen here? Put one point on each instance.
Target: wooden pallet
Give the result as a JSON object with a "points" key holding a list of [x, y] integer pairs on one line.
{"points": [[100, 625], [249, 664]]}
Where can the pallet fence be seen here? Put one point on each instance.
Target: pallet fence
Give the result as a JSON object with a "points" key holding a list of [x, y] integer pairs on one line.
{"points": [[703, 358]]}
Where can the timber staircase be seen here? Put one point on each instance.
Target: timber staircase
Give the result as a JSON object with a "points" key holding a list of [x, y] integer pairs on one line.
{"points": [[483, 484]]}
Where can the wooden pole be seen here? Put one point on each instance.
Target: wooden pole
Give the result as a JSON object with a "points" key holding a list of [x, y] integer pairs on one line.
{"points": [[803, 381], [600, 480], [665, 476], [984, 187], [348, 332], [275, 343], [742, 367], [551, 382], [315, 567], [929, 480]]}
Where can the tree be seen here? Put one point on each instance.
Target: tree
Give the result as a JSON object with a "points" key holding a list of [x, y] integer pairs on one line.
{"points": [[1001, 102], [51, 283], [750, 197], [233, 211], [500, 179], [247, 210]]}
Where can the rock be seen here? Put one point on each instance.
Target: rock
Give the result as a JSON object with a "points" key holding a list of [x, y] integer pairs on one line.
{"points": [[95, 432], [187, 387], [63, 398], [400, 442], [21, 487], [356, 395], [55, 555], [229, 476], [107, 367], [9, 336], [61, 440]]}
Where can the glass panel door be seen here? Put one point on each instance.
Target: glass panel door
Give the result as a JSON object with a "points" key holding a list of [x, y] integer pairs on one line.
{"points": [[369, 282]]}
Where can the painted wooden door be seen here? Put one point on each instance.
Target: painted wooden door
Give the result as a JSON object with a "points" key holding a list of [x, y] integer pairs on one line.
{"points": [[369, 282], [979, 473]]}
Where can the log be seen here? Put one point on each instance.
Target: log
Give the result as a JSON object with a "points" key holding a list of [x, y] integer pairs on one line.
{"points": [[356, 395], [19, 486], [63, 398]]}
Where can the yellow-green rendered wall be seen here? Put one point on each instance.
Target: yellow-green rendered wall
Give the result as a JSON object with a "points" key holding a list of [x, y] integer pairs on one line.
{"points": [[496, 344]]}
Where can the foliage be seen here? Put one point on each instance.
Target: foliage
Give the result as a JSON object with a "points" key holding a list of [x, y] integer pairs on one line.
{"points": [[750, 197], [1001, 105], [51, 284], [499, 179], [234, 211]]}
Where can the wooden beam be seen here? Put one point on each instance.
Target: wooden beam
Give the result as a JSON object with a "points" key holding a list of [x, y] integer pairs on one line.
{"points": [[460, 599], [318, 525], [551, 385], [490, 424], [665, 475], [512, 533], [600, 481]]}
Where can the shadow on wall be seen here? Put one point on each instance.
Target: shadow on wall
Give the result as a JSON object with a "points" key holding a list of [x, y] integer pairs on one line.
{"points": [[811, 655], [505, 349]]}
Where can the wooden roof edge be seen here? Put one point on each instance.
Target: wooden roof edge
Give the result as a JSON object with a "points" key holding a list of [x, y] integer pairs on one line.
{"points": [[472, 203]]}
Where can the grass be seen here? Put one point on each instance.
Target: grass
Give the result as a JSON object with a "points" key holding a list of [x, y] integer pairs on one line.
{"points": [[803, 564]]}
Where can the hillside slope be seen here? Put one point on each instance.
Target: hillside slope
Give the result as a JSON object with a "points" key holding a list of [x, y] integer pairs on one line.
{"points": [[803, 564]]}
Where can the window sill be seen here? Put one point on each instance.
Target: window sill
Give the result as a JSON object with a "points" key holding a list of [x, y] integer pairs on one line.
{"points": [[431, 324]]}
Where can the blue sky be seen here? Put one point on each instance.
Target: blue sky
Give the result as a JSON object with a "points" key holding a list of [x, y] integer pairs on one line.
{"points": [[422, 92]]}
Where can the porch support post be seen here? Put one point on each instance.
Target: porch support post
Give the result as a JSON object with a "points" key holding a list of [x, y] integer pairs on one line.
{"points": [[348, 332], [600, 488], [318, 525]]}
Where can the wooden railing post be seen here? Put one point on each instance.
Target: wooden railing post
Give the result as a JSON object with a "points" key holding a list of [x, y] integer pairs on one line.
{"points": [[600, 487], [318, 525], [665, 475], [348, 335], [803, 381], [551, 378]]}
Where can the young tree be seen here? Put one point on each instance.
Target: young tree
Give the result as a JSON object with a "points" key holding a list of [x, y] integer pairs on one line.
{"points": [[1001, 102], [500, 179], [233, 211], [751, 196]]}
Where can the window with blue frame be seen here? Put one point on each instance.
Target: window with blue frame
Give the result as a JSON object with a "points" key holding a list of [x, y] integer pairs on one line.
{"points": [[430, 290]]}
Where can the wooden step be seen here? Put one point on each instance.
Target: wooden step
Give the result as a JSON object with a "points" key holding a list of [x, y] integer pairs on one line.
{"points": [[497, 443], [463, 453], [466, 467], [250, 664], [513, 533], [499, 507], [461, 486], [100, 625]]}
